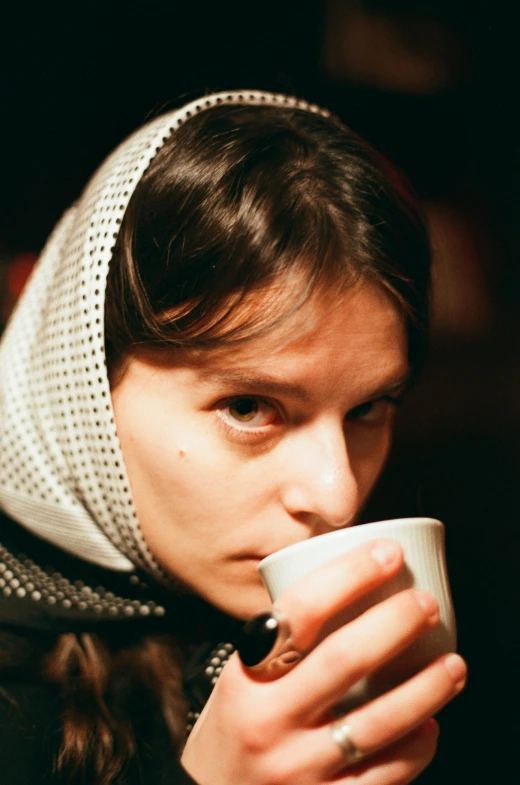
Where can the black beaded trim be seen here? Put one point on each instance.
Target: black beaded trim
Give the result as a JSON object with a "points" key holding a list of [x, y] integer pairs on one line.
{"points": [[209, 675], [21, 578], [44, 588], [216, 661]]}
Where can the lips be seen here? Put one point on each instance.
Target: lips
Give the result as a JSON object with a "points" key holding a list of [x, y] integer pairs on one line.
{"points": [[263, 555], [259, 555]]}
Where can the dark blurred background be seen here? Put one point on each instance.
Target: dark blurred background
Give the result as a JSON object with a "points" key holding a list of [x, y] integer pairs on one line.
{"points": [[433, 83]]}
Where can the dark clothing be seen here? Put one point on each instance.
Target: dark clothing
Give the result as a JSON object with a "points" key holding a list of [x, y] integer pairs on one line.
{"points": [[30, 729], [44, 593]]}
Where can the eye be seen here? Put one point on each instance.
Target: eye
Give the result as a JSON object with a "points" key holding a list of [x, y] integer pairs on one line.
{"points": [[244, 409], [377, 412], [249, 411]]}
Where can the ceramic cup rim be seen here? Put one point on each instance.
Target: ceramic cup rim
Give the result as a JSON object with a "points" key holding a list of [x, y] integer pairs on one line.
{"points": [[377, 528]]}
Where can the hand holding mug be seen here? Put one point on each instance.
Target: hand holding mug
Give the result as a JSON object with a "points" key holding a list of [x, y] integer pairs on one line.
{"points": [[423, 544], [286, 730]]}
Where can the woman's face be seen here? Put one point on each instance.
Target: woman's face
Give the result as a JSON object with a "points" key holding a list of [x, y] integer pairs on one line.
{"points": [[235, 453]]}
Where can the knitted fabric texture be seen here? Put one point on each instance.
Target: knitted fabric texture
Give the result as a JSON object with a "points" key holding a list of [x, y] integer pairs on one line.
{"points": [[62, 472]]}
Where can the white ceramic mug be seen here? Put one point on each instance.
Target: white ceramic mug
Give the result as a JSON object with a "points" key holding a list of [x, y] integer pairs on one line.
{"points": [[422, 540]]}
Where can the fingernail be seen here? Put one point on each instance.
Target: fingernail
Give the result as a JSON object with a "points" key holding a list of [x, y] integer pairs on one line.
{"points": [[456, 667], [431, 726], [428, 603], [386, 552]]}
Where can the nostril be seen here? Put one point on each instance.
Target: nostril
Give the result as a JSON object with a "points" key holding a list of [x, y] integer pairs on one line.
{"points": [[344, 523]]}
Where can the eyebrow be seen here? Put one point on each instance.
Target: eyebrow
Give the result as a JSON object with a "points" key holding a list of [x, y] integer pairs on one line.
{"points": [[267, 385]]}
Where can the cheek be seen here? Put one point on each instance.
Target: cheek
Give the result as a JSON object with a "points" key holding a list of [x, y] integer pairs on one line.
{"points": [[156, 455], [185, 478], [165, 470]]}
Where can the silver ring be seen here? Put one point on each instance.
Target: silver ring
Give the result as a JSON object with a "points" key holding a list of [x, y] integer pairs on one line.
{"points": [[341, 733]]}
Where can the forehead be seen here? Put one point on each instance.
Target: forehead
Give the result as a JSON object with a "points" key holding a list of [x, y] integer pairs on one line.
{"points": [[364, 312], [357, 336]]}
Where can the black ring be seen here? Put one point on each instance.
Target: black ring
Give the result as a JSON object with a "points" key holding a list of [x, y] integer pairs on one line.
{"points": [[265, 645]]}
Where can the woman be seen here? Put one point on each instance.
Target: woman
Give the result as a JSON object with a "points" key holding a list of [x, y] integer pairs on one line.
{"points": [[204, 369]]}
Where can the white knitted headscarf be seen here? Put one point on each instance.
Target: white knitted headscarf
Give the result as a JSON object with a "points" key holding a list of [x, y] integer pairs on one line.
{"points": [[62, 473]]}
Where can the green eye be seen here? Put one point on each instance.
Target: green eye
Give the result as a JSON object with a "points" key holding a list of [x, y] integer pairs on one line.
{"points": [[243, 409]]}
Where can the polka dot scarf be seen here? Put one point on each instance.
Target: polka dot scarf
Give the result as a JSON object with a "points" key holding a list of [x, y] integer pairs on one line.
{"points": [[62, 473]]}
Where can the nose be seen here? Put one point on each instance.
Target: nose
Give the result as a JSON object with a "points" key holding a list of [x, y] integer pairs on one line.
{"points": [[320, 486]]}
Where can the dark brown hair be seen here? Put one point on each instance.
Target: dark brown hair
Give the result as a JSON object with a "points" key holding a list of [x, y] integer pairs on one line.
{"points": [[242, 197], [113, 691]]}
